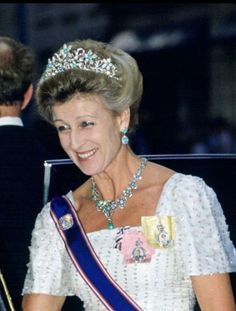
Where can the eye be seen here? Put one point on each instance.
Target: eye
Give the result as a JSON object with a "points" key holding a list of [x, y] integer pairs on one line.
{"points": [[63, 128], [87, 124]]}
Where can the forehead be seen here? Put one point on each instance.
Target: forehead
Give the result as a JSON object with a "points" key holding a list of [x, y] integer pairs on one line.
{"points": [[81, 104]]}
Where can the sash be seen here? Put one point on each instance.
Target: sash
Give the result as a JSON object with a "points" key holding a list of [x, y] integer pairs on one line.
{"points": [[85, 259]]}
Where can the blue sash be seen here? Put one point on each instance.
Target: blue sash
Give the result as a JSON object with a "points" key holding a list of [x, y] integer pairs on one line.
{"points": [[85, 259]]}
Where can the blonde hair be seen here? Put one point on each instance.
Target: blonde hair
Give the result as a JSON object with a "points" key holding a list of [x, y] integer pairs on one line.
{"points": [[117, 94]]}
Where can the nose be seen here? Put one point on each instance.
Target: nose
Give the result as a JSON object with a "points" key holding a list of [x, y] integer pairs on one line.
{"points": [[75, 139]]}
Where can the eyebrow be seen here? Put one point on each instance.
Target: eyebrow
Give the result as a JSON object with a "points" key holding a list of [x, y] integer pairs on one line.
{"points": [[55, 120], [77, 118], [86, 115]]}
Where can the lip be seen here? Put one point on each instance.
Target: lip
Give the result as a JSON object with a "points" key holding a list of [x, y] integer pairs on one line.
{"points": [[83, 156]]}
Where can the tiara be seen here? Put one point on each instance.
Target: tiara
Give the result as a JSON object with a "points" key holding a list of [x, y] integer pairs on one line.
{"points": [[66, 59]]}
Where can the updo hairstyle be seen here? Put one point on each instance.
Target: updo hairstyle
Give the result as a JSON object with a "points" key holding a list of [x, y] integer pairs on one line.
{"points": [[117, 93]]}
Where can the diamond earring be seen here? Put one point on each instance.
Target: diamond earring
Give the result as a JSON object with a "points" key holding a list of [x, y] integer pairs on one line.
{"points": [[124, 138]]}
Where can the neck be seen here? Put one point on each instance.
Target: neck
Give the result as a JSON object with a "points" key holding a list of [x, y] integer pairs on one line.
{"points": [[115, 178], [109, 206], [10, 111]]}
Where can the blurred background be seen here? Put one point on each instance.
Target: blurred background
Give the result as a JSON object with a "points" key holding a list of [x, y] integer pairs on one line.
{"points": [[186, 51], [187, 54]]}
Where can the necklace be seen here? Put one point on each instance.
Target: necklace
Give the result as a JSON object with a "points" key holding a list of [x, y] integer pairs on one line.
{"points": [[108, 207]]}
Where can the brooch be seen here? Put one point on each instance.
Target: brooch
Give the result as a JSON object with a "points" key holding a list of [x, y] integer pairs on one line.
{"points": [[66, 222], [158, 230], [135, 248], [138, 253]]}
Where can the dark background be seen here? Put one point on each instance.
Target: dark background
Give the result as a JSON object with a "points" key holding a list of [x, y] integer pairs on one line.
{"points": [[187, 53]]}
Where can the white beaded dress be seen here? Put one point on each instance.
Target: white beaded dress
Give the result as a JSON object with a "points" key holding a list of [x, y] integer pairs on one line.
{"points": [[201, 246]]}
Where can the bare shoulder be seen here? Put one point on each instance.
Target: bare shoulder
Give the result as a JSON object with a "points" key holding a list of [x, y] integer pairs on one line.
{"points": [[147, 195], [82, 194], [158, 174]]}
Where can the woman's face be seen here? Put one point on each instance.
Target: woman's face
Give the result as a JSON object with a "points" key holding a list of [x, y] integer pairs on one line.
{"points": [[88, 133]]}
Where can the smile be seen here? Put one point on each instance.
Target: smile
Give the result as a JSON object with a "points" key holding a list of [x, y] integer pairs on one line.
{"points": [[86, 155]]}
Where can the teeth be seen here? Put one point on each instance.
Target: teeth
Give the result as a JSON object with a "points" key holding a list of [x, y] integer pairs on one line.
{"points": [[86, 154]]}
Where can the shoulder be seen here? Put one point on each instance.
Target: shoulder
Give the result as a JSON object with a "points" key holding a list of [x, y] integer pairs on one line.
{"points": [[195, 205], [45, 232], [190, 199], [181, 184], [157, 174], [202, 235], [191, 195], [80, 195], [43, 218], [11, 133]]}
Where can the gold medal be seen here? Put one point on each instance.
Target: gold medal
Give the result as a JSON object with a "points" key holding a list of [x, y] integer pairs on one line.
{"points": [[158, 230]]}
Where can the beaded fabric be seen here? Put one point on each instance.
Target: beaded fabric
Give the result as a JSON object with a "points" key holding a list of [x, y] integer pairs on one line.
{"points": [[202, 246], [66, 59]]}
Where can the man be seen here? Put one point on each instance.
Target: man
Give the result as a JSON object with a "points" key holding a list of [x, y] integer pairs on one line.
{"points": [[21, 165]]}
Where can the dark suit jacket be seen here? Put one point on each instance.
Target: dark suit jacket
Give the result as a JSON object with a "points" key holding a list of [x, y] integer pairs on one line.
{"points": [[21, 198]]}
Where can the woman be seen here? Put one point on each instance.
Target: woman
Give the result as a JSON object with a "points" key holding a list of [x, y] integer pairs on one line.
{"points": [[135, 232]]}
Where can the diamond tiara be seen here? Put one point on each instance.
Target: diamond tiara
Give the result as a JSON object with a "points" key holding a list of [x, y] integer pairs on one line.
{"points": [[66, 59]]}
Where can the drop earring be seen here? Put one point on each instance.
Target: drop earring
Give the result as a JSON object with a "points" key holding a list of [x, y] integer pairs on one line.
{"points": [[124, 138]]}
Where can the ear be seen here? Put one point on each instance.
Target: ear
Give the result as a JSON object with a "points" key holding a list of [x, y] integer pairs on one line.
{"points": [[124, 118], [27, 97]]}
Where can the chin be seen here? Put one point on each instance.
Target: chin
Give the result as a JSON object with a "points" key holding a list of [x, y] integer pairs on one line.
{"points": [[88, 169]]}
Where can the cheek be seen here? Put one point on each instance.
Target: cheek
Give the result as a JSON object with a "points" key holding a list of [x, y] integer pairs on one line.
{"points": [[114, 139], [116, 135], [64, 141]]}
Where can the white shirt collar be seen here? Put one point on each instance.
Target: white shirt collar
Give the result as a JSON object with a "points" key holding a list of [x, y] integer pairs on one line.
{"points": [[11, 121]]}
